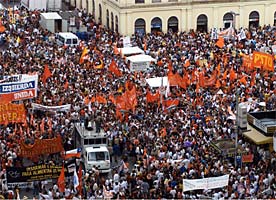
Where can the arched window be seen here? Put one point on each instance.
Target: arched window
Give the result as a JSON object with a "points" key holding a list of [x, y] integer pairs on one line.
{"points": [[156, 24], [254, 18], [228, 20], [112, 21], [100, 14], [173, 24], [107, 18], [140, 26], [116, 24], [202, 23]]}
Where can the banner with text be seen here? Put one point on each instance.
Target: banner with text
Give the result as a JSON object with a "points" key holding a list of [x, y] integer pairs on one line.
{"points": [[41, 146], [12, 113], [63, 108], [263, 60], [205, 183], [33, 173], [24, 88]]}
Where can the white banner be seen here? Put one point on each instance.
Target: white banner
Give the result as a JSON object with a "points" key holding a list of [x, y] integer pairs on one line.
{"points": [[63, 108], [205, 183], [274, 142]]}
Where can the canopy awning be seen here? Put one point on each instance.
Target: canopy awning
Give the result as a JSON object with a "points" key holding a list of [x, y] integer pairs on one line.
{"points": [[257, 137]]}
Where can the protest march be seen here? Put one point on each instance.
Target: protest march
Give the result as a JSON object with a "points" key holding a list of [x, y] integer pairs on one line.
{"points": [[160, 117]]}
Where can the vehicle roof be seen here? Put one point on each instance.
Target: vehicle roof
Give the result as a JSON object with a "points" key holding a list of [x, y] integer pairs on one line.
{"points": [[96, 149], [67, 35]]}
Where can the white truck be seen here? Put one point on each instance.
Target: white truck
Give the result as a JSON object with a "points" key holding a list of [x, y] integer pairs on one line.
{"points": [[47, 5], [94, 148]]}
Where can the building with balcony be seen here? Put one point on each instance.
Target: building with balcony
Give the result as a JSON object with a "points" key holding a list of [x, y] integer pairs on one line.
{"points": [[144, 16]]}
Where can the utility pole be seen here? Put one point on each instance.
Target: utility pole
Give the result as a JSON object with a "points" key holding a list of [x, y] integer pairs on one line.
{"points": [[237, 125]]}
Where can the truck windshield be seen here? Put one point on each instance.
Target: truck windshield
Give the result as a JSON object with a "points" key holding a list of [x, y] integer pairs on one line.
{"points": [[97, 156]]}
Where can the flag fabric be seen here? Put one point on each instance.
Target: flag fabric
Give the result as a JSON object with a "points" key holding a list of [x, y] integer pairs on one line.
{"points": [[76, 179], [243, 80], [163, 132], [187, 63], [61, 180], [46, 74], [220, 42], [100, 65], [84, 53], [75, 153], [232, 75], [152, 97], [80, 180], [114, 68]]}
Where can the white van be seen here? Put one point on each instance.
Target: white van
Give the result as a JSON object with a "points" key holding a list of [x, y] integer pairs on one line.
{"points": [[67, 38], [97, 156]]}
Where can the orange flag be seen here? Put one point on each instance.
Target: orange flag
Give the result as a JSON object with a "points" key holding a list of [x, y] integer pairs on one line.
{"points": [[218, 85], [152, 97], [61, 180], [84, 53], [114, 68], [46, 74], [101, 99], [163, 132], [187, 63], [99, 66], [170, 67], [220, 42], [233, 75], [243, 80], [218, 70]]}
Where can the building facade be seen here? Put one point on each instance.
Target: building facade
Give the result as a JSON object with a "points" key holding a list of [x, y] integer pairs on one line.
{"points": [[144, 16]]}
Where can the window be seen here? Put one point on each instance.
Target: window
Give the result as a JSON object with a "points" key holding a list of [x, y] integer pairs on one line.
{"points": [[156, 1], [97, 156], [139, 1], [140, 26], [75, 41], [68, 41]]}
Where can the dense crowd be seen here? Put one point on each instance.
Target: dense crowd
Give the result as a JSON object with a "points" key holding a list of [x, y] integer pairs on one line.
{"points": [[162, 159]]}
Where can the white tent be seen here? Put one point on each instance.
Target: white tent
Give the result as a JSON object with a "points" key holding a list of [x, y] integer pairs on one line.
{"points": [[157, 82], [128, 51]]}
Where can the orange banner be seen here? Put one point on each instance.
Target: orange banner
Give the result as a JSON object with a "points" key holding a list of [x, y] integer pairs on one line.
{"points": [[263, 60], [41, 147], [247, 61], [12, 113], [247, 158]]}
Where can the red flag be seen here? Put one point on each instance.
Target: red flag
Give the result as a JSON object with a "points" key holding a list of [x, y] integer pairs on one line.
{"points": [[152, 97], [114, 68], [80, 180], [220, 42], [61, 180], [46, 74], [233, 75]]}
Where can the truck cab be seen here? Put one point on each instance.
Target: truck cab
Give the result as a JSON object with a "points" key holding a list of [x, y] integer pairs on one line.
{"points": [[97, 156]]}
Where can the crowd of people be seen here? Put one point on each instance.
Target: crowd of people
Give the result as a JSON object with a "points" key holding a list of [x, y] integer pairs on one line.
{"points": [[164, 145]]}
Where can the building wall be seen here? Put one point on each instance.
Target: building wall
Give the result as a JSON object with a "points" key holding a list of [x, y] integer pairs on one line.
{"points": [[186, 11]]}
